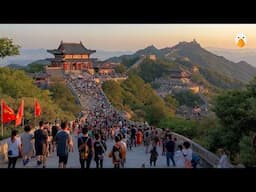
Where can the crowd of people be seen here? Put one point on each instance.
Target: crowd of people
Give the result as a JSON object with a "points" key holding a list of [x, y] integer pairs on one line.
{"points": [[99, 123]]}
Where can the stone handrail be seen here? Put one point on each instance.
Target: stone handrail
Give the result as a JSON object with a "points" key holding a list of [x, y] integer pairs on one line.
{"points": [[3, 150], [206, 155]]}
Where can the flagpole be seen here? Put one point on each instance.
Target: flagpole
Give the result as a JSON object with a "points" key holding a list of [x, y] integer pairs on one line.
{"points": [[34, 113], [23, 115], [2, 117]]}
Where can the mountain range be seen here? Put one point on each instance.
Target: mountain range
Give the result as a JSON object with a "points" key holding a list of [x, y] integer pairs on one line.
{"points": [[193, 54], [236, 55]]}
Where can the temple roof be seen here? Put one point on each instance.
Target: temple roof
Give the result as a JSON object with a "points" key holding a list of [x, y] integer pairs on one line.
{"points": [[71, 48], [71, 60]]}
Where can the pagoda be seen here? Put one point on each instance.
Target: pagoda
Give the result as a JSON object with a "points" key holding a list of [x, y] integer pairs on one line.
{"points": [[71, 57]]}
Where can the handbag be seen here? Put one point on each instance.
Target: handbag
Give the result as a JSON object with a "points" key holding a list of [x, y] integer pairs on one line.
{"points": [[9, 153], [101, 157]]}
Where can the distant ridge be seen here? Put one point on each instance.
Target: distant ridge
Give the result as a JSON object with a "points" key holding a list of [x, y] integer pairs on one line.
{"points": [[195, 54]]}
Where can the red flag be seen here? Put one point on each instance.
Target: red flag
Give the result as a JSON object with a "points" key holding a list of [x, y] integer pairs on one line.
{"points": [[37, 109], [20, 113], [7, 113]]}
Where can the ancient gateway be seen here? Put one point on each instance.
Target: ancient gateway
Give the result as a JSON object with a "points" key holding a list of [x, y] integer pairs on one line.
{"points": [[72, 57]]}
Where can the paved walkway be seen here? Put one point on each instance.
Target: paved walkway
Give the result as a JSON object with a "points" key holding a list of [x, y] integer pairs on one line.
{"points": [[135, 159]]}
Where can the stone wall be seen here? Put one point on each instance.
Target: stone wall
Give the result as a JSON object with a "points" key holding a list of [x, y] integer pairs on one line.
{"points": [[3, 151]]}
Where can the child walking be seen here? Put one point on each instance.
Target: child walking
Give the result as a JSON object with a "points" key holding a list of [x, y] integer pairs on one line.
{"points": [[153, 156]]}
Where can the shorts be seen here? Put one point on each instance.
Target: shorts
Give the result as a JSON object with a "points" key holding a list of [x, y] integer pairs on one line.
{"points": [[63, 159]]}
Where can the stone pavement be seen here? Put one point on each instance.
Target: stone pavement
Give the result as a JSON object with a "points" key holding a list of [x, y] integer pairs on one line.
{"points": [[135, 159]]}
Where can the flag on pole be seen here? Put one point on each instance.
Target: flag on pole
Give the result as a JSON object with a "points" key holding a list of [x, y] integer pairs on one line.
{"points": [[20, 113], [37, 108], [7, 113]]}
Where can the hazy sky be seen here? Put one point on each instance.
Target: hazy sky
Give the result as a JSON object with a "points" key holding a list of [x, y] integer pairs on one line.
{"points": [[127, 37]]}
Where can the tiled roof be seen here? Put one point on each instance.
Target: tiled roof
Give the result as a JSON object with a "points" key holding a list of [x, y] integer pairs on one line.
{"points": [[71, 48]]}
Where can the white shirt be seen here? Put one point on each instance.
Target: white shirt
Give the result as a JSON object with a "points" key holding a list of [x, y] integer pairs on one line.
{"points": [[187, 153], [179, 159], [14, 147], [223, 163]]}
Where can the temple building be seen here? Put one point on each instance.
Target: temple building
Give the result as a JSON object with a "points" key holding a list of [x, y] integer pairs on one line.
{"points": [[72, 57], [104, 68]]}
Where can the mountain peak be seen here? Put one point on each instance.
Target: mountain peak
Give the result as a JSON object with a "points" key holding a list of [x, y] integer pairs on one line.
{"points": [[151, 47], [192, 44], [148, 50]]}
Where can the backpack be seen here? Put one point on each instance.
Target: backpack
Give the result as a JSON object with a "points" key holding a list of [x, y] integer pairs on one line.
{"points": [[117, 155], [84, 154]]}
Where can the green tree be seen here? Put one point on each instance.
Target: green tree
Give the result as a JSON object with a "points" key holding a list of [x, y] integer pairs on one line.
{"points": [[114, 92], [171, 102], [7, 48], [236, 111], [247, 151], [16, 85], [188, 98], [67, 103], [135, 95], [35, 67], [120, 68]]}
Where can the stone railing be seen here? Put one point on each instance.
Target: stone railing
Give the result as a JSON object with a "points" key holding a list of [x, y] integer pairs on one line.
{"points": [[210, 158], [3, 151]]}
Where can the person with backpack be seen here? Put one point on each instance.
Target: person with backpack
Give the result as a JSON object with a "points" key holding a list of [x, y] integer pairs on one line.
{"points": [[116, 153], [85, 147], [63, 143], [99, 150]]}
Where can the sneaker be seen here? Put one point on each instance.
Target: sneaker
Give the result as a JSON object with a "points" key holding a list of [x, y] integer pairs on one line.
{"points": [[26, 161]]}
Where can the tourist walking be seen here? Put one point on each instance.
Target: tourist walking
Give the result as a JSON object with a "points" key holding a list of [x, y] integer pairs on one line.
{"points": [[63, 144], [179, 157], [14, 149], [27, 146], [41, 141], [224, 161], [187, 152], [153, 156], [85, 147], [99, 150], [170, 147], [116, 153]]}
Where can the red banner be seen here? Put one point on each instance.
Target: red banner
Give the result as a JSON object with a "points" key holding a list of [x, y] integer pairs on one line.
{"points": [[37, 109], [7, 113], [20, 113]]}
